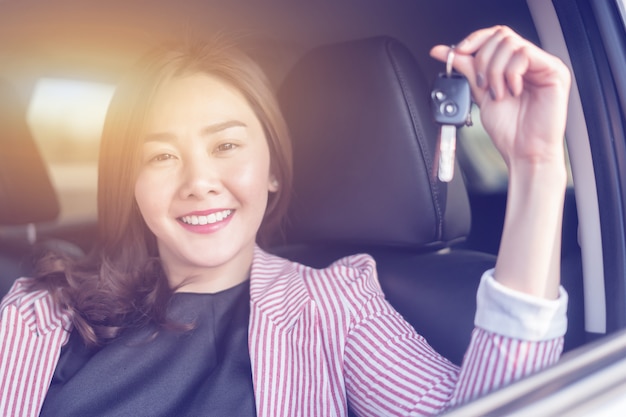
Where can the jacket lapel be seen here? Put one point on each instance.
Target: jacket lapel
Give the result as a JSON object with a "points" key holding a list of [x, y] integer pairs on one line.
{"points": [[277, 290], [289, 369]]}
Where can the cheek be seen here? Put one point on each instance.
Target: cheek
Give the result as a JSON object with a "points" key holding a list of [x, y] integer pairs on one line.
{"points": [[252, 179], [149, 195]]}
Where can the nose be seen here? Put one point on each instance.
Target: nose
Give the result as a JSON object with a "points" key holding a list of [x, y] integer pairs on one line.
{"points": [[199, 177]]}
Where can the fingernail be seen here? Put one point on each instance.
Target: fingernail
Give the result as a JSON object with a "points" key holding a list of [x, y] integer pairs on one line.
{"points": [[480, 80], [492, 93]]}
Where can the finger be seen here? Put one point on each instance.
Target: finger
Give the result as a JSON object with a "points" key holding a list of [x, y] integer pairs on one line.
{"points": [[525, 64], [515, 71], [483, 76], [488, 64], [506, 68], [463, 64], [475, 40], [440, 52], [500, 60], [543, 68], [539, 61]]}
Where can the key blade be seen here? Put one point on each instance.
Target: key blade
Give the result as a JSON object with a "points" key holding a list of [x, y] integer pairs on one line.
{"points": [[447, 150]]}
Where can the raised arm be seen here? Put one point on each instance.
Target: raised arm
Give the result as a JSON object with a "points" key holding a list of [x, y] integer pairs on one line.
{"points": [[522, 92]]}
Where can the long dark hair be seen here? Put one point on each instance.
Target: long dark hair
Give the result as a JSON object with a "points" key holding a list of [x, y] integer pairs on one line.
{"points": [[121, 284]]}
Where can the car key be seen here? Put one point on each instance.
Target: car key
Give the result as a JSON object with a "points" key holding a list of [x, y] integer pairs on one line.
{"points": [[451, 105]]}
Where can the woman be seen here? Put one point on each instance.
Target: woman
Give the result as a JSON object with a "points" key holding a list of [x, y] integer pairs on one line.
{"points": [[179, 312]]}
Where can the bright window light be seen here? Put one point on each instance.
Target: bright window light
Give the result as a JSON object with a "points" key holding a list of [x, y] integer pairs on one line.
{"points": [[66, 118]]}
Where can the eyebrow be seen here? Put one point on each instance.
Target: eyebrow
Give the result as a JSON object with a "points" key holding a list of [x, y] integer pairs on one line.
{"points": [[205, 131]]}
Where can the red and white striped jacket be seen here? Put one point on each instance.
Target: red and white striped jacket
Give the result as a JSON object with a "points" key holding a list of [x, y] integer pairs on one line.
{"points": [[318, 339]]}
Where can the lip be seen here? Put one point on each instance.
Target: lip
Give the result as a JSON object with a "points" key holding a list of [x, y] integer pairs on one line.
{"points": [[206, 221]]}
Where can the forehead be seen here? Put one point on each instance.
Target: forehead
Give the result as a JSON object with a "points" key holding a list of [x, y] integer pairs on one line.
{"points": [[198, 98]]}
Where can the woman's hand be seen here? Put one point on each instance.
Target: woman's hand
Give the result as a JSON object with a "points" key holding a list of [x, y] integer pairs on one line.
{"points": [[522, 92]]}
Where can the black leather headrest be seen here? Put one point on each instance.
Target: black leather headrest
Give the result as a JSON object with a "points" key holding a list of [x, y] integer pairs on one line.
{"points": [[26, 193], [364, 151]]}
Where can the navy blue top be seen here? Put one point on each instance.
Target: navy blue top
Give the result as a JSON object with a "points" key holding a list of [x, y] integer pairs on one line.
{"points": [[202, 372]]}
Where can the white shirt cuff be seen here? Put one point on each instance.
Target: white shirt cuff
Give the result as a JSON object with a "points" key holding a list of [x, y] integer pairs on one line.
{"points": [[518, 315]]}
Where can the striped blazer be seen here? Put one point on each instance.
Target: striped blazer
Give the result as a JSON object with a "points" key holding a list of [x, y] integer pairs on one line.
{"points": [[318, 340]]}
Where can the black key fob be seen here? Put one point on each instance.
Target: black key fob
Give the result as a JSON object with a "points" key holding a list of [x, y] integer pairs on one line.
{"points": [[451, 99]]}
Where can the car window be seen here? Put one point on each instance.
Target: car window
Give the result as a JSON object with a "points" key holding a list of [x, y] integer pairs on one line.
{"points": [[66, 117], [483, 167]]}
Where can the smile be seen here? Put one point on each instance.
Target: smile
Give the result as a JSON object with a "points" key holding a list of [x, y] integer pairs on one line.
{"points": [[195, 220]]}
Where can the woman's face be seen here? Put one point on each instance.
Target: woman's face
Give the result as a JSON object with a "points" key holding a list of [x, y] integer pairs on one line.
{"points": [[203, 184]]}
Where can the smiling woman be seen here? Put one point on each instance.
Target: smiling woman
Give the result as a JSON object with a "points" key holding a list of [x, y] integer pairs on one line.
{"points": [[195, 166], [206, 159]]}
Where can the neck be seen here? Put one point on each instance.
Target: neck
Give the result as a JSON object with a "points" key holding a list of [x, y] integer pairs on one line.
{"points": [[210, 279]]}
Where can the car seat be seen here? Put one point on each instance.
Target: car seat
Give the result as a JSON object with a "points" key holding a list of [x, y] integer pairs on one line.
{"points": [[365, 181], [27, 196]]}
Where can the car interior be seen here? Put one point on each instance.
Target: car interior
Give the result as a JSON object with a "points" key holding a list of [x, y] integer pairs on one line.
{"points": [[353, 80], [364, 181]]}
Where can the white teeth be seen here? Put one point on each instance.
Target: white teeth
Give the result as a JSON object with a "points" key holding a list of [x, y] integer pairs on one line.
{"points": [[210, 219]]}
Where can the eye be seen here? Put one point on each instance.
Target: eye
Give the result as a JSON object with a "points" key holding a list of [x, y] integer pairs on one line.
{"points": [[225, 147], [162, 157]]}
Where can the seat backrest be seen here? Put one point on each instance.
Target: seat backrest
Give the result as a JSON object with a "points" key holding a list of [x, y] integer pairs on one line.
{"points": [[26, 192], [365, 181]]}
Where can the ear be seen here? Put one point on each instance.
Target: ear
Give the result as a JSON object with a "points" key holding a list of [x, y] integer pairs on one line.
{"points": [[273, 185]]}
